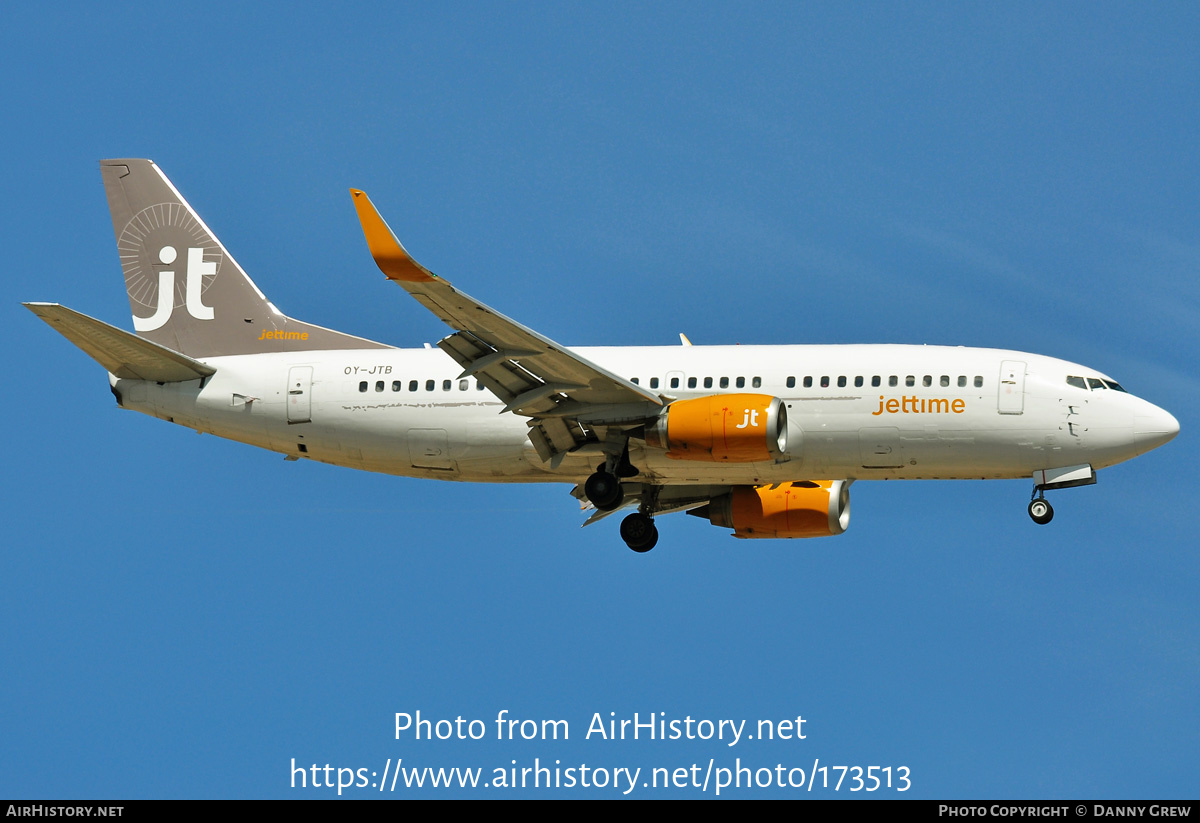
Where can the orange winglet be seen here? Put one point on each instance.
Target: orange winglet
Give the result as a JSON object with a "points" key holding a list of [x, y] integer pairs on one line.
{"points": [[390, 256]]}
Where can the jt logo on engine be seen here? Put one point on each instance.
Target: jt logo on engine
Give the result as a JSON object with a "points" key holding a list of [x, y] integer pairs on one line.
{"points": [[750, 419], [197, 268]]}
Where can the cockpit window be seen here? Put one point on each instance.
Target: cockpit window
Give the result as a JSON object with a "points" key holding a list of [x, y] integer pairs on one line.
{"points": [[1094, 383]]}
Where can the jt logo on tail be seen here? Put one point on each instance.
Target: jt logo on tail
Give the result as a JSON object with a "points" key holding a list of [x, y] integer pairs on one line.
{"points": [[197, 268], [185, 291]]}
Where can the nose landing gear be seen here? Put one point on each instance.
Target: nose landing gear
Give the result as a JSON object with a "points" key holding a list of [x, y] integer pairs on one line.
{"points": [[1067, 477], [1041, 511]]}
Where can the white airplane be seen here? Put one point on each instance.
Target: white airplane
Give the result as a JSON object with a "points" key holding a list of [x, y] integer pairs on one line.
{"points": [[763, 440]]}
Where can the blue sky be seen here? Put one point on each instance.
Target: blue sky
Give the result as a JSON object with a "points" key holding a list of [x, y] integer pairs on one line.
{"points": [[182, 615]]}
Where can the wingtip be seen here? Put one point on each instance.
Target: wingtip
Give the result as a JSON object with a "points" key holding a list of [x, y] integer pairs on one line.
{"points": [[391, 257]]}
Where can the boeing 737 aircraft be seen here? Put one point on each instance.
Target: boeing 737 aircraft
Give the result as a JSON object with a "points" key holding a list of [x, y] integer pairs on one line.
{"points": [[762, 440]]}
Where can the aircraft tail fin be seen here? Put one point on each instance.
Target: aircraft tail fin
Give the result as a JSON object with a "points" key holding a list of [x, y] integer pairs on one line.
{"points": [[121, 353], [186, 291]]}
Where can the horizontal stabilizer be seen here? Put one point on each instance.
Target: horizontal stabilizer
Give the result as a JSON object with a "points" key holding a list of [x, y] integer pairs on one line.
{"points": [[123, 354]]}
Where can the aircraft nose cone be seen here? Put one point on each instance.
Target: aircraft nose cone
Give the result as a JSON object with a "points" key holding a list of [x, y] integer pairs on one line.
{"points": [[1154, 427]]}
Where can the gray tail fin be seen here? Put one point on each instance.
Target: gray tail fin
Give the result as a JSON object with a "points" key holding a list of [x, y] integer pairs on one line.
{"points": [[185, 290]]}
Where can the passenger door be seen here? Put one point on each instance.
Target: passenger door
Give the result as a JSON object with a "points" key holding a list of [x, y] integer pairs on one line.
{"points": [[1011, 393]]}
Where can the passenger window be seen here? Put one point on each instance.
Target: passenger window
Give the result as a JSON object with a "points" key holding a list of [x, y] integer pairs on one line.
{"points": [[362, 386], [945, 381], [741, 382], [978, 381], [791, 382], [429, 385], [654, 382], [463, 384], [378, 385], [446, 385], [824, 381], [875, 381], [962, 381], [893, 380], [412, 385], [634, 381], [756, 382], [724, 382], [691, 382], [927, 380], [395, 385], [674, 382], [478, 386], [842, 381], [910, 380], [858, 381], [708, 382], [808, 382]]}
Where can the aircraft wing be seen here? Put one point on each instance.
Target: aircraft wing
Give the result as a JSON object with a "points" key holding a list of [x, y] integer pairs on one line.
{"points": [[667, 499], [570, 401]]}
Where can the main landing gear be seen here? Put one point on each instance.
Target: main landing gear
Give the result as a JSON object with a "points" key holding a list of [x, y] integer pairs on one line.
{"points": [[603, 490], [1040, 509], [603, 487], [639, 532]]}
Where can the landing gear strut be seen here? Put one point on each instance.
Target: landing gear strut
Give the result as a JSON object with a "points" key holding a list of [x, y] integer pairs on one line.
{"points": [[1040, 509], [639, 532]]}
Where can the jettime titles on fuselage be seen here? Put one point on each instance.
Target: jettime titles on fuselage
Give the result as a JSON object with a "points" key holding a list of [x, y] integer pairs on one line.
{"points": [[920, 405]]}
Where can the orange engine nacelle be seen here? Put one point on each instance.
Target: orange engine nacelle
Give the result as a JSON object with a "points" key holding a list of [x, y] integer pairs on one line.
{"points": [[803, 509], [731, 428]]}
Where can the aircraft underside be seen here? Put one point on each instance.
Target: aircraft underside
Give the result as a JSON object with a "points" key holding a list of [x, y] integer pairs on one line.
{"points": [[801, 491]]}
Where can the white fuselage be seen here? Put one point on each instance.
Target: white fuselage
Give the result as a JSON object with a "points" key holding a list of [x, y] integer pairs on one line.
{"points": [[952, 413]]}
